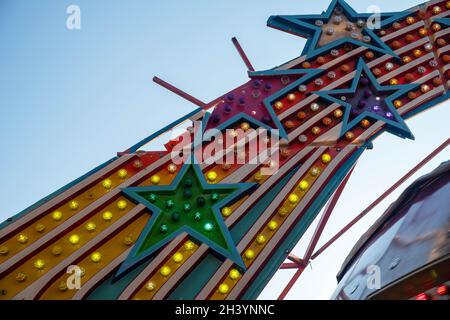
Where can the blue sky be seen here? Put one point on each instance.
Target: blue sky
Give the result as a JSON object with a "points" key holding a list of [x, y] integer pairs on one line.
{"points": [[70, 100]]}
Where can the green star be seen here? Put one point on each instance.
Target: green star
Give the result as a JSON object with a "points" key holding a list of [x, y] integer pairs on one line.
{"points": [[189, 204]]}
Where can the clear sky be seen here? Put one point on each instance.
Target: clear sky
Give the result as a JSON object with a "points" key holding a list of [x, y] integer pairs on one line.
{"points": [[69, 100]]}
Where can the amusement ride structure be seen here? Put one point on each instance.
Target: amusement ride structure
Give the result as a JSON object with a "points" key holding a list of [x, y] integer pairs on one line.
{"points": [[174, 224]]}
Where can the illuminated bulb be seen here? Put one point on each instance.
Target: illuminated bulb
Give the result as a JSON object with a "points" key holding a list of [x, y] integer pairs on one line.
{"points": [[397, 103], [261, 239], [424, 88], [226, 211], [349, 135], [96, 257], [234, 274], [74, 239], [315, 171], [314, 107], [90, 226], [107, 215], [172, 168], [155, 179], [150, 286], [291, 97], [21, 277], [208, 227], [57, 215], [245, 126], [410, 20], [56, 250], [121, 204], [278, 105], [249, 254], [39, 264], [107, 184], [417, 53], [315, 131], [74, 205], [122, 173], [272, 225], [393, 82], [365, 123], [436, 27], [211, 176], [177, 257], [293, 198], [224, 288], [189, 245], [447, 5], [304, 185], [337, 113], [406, 59], [22, 238], [165, 271], [326, 158], [138, 164], [423, 32], [39, 227], [436, 10]]}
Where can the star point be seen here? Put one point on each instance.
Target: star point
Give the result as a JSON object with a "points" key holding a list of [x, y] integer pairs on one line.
{"points": [[191, 205]]}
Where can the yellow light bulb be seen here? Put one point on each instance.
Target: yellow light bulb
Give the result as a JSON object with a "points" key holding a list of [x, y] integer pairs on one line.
{"points": [[150, 286], [326, 158], [272, 225], [74, 239], [303, 185], [21, 277], [57, 215], [189, 245], [234, 274], [249, 254], [293, 198], [172, 168], [155, 179], [177, 257], [122, 173], [165, 271], [122, 204], [107, 215], [224, 288], [90, 226], [96, 257], [261, 239], [39, 264], [107, 184], [128, 240], [74, 205], [226, 211], [22, 238], [211, 176]]}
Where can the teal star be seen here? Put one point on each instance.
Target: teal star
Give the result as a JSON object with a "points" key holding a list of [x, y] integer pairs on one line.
{"points": [[189, 204], [367, 99], [338, 25]]}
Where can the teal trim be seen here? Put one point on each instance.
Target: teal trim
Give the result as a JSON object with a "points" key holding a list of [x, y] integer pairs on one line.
{"points": [[54, 194]]}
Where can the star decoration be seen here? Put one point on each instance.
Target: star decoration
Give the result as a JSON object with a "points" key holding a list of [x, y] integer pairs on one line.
{"points": [[247, 102], [367, 99], [338, 25], [189, 204]]}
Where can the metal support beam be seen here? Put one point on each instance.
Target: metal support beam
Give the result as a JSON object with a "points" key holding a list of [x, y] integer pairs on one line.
{"points": [[242, 54], [179, 92]]}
